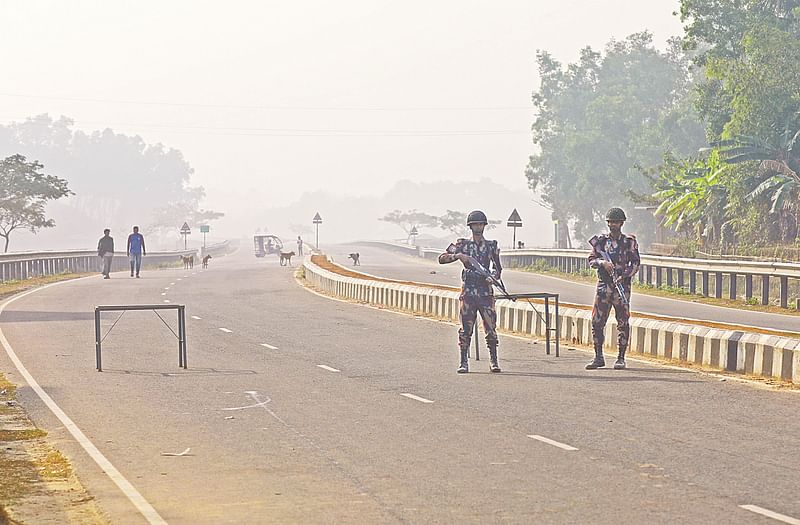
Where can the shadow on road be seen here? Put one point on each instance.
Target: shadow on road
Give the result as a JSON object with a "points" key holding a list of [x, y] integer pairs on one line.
{"points": [[188, 372], [21, 316]]}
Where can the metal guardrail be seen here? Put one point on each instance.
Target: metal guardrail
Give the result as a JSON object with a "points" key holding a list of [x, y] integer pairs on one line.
{"points": [[692, 275], [18, 266], [217, 249], [708, 277]]}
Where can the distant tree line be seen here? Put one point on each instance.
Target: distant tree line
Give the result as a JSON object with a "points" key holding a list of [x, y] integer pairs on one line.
{"points": [[701, 138], [452, 220], [113, 178]]}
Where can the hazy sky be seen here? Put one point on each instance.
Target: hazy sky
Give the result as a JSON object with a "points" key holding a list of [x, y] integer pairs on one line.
{"points": [[270, 99]]}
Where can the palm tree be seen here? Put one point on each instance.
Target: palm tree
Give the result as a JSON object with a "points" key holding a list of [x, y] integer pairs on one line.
{"points": [[778, 176]]}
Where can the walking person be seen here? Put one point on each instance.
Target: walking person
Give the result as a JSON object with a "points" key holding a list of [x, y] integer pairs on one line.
{"points": [[299, 246], [476, 290], [136, 250], [105, 249], [616, 258]]}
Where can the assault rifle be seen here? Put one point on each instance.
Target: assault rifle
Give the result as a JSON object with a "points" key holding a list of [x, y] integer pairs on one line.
{"points": [[478, 268], [611, 278]]}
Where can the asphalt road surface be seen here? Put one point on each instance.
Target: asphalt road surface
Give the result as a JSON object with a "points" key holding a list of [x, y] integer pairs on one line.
{"points": [[396, 265], [300, 409]]}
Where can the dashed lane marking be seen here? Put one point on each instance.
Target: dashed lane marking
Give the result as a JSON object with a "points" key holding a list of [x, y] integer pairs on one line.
{"points": [[133, 495], [226, 330], [551, 442], [771, 514], [163, 293], [166, 300], [416, 398], [265, 345], [328, 368], [195, 317]]}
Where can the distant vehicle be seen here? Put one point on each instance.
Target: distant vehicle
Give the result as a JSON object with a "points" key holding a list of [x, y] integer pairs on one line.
{"points": [[266, 244]]}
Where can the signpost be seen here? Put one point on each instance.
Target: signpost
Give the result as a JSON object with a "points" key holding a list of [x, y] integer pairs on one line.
{"points": [[185, 230], [204, 230], [317, 221], [413, 233], [515, 221]]}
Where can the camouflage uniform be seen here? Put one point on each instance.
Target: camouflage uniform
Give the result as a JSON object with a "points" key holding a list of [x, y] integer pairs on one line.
{"points": [[624, 253], [476, 294]]}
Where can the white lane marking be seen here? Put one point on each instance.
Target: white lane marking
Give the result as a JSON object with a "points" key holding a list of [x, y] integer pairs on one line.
{"points": [[259, 403], [166, 287], [265, 345], [105, 465], [416, 398], [172, 284], [770, 514], [195, 317], [166, 300], [328, 368], [179, 279], [186, 276], [163, 293], [226, 330], [551, 442]]}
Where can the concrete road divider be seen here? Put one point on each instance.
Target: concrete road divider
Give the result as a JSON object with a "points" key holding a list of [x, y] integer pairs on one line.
{"points": [[745, 350]]}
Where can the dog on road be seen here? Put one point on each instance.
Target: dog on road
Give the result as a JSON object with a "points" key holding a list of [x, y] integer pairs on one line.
{"points": [[205, 261], [188, 261], [286, 258], [355, 257]]}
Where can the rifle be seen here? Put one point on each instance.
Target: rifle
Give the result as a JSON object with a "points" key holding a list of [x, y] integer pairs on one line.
{"points": [[612, 279], [478, 268]]}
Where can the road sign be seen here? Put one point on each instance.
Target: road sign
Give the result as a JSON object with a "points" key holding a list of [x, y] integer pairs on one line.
{"points": [[514, 221], [205, 228], [317, 220], [185, 230], [413, 233]]}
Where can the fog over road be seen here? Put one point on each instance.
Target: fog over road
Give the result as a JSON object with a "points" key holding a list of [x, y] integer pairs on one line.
{"points": [[310, 410]]}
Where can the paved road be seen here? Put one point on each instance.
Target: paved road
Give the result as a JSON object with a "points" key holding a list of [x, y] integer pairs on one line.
{"points": [[356, 415], [395, 265]]}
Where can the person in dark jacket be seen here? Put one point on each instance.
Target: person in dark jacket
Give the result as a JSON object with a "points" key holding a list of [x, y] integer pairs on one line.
{"points": [[105, 249]]}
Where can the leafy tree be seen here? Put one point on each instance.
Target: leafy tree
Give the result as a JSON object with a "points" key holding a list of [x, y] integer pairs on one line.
{"points": [[24, 191], [777, 177], [600, 118], [408, 220], [172, 216]]}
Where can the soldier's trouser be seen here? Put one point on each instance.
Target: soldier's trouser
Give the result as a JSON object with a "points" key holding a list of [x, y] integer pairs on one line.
{"points": [[606, 297], [470, 306]]}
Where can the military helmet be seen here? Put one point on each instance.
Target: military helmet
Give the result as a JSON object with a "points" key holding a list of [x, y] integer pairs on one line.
{"points": [[615, 214], [476, 216]]}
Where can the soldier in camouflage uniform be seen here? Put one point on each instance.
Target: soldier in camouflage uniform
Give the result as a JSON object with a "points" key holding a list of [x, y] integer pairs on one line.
{"points": [[616, 258], [476, 291]]}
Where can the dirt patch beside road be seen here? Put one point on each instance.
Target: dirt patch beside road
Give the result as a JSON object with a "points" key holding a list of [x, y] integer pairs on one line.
{"points": [[37, 484]]}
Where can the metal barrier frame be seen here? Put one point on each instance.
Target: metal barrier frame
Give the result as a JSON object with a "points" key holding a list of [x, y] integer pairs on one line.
{"points": [[124, 307]]}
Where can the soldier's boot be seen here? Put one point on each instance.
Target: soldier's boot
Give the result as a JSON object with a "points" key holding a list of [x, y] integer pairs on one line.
{"points": [[598, 361], [493, 366], [619, 364], [463, 368]]}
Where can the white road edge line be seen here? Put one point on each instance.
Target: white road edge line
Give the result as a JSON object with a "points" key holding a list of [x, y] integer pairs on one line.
{"points": [[551, 442], [141, 504], [226, 330], [416, 398], [771, 514], [265, 345], [195, 317], [328, 368]]}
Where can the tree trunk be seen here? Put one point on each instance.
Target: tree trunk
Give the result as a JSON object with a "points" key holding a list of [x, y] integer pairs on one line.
{"points": [[6, 238]]}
